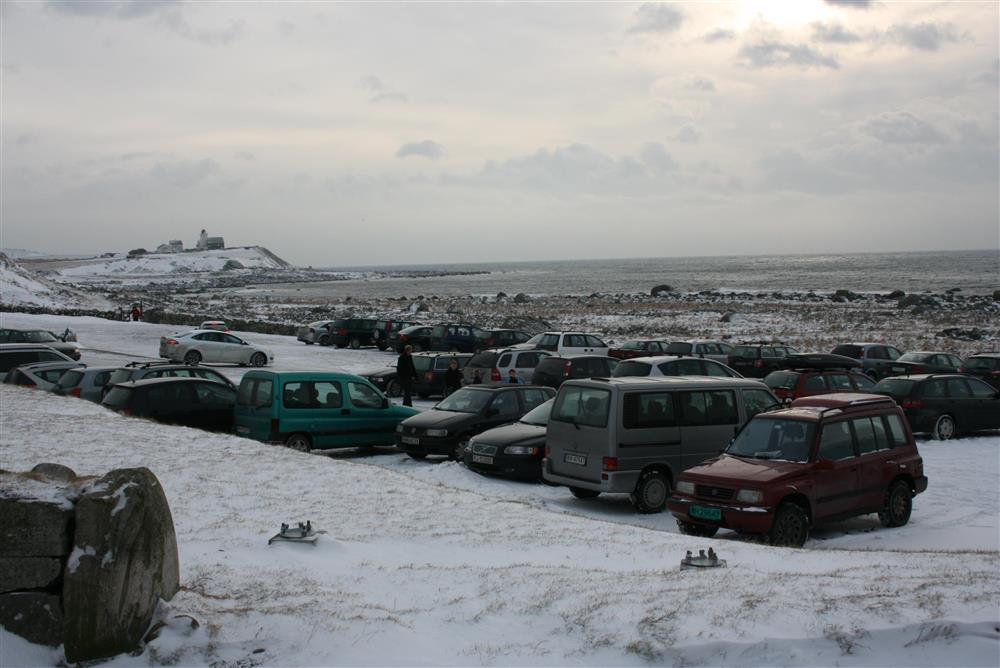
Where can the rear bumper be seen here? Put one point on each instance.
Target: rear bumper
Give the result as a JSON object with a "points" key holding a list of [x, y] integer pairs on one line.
{"points": [[617, 482], [920, 484], [744, 519]]}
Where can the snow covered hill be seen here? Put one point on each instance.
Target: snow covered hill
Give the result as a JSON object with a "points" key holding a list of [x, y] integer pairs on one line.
{"points": [[19, 286], [164, 264]]}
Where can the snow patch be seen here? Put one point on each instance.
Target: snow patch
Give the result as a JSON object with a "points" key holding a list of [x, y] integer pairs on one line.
{"points": [[76, 555]]}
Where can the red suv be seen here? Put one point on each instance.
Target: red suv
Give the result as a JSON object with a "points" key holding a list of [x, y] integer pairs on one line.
{"points": [[790, 384], [825, 458]]}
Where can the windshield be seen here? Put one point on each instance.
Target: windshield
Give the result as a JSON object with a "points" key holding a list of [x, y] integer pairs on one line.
{"points": [[916, 357], [894, 387], [783, 379], [120, 376], [118, 397], [746, 351], [38, 336], [70, 379], [539, 415], [535, 339], [582, 405], [977, 363], [631, 368], [633, 345], [466, 400], [774, 438], [422, 363]]}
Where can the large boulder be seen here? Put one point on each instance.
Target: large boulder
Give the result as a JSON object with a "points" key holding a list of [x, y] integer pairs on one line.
{"points": [[124, 559], [20, 573], [661, 290], [33, 615], [35, 516]]}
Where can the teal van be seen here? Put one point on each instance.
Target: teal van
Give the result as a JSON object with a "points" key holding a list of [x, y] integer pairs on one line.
{"points": [[305, 410]]}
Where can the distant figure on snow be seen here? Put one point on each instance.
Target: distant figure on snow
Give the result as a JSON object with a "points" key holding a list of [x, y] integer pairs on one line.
{"points": [[406, 372], [136, 314]]}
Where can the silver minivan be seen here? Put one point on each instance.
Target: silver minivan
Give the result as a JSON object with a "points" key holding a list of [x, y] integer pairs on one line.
{"points": [[635, 435]]}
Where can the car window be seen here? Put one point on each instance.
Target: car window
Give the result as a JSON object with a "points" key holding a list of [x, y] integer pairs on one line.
{"points": [[527, 360], [647, 410], [815, 383], [119, 376], [422, 363], [836, 442], [465, 400], [957, 389], [549, 342], [582, 406], [101, 378], [862, 382], [954, 361], [46, 356], [882, 439], [205, 336], [864, 432], [213, 393], [531, 397], [227, 338], [758, 401], [208, 374], [71, 379], [579, 369], [632, 368], [896, 429], [766, 351], [692, 408], [933, 389], [364, 396], [784, 379], [688, 367], [328, 394], [768, 438], [980, 390], [666, 368], [118, 397], [839, 381], [297, 395], [595, 342], [679, 348], [575, 340], [721, 407], [170, 395], [505, 404], [892, 353], [714, 369], [504, 360], [52, 375]]}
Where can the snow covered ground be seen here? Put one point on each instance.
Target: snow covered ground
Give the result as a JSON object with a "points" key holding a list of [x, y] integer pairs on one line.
{"points": [[19, 286], [429, 564], [159, 264]]}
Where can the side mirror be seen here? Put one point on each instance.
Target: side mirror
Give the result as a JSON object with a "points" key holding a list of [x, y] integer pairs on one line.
{"points": [[824, 465]]}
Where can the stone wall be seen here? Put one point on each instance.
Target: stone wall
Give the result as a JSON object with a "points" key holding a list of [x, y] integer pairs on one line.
{"points": [[84, 561]]}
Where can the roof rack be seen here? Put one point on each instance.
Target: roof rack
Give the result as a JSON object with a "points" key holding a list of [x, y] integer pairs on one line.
{"points": [[817, 361], [149, 363]]}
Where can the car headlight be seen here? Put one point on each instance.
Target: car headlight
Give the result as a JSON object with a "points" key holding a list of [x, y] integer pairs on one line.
{"points": [[399, 428], [520, 450], [685, 487], [437, 433], [749, 496]]}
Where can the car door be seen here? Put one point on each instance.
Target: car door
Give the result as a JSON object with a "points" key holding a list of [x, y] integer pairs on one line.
{"points": [[962, 403], [332, 421], [709, 420], [873, 443], [532, 397], [985, 404], [836, 488], [214, 405], [595, 345], [505, 407], [650, 432], [255, 399], [573, 344], [298, 412], [369, 416], [525, 364]]}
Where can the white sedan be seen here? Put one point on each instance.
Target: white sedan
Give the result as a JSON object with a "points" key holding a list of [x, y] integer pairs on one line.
{"points": [[205, 345]]}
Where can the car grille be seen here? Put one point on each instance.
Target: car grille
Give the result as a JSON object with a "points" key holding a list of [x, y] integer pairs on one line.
{"points": [[412, 431], [709, 492], [481, 449]]}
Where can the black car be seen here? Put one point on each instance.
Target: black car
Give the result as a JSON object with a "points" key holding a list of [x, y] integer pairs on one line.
{"points": [[143, 370], [41, 336], [873, 358], [456, 337], [191, 402], [553, 370], [445, 429], [501, 338], [513, 450], [984, 366], [944, 405], [430, 374], [756, 360], [357, 332], [17, 354], [916, 362]]}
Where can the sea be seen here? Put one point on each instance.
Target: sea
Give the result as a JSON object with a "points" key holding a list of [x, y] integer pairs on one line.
{"points": [[972, 272]]}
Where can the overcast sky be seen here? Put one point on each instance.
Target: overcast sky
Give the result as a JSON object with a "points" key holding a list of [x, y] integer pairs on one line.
{"points": [[346, 134]]}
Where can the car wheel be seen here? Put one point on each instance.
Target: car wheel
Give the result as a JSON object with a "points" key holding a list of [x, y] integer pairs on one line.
{"points": [[459, 452], [417, 455], [324, 340], [258, 359], [791, 526], [945, 428], [701, 530], [581, 493], [192, 358], [394, 388], [651, 492], [299, 442], [898, 505], [355, 343], [308, 343]]}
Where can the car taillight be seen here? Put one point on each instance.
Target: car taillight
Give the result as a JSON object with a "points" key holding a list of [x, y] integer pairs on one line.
{"points": [[907, 402], [429, 376], [918, 369], [171, 342], [490, 342], [342, 332], [76, 391], [995, 374], [567, 369], [759, 364], [495, 376], [609, 464], [404, 337], [126, 411]]}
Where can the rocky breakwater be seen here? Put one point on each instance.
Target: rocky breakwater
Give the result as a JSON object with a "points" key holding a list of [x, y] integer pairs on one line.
{"points": [[84, 561]]}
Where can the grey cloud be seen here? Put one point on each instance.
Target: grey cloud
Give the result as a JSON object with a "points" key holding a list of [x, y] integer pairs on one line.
{"points": [[719, 35], [370, 82], [425, 149], [767, 53], [656, 18], [687, 135], [389, 97], [923, 36], [207, 36], [122, 9], [184, 173], [833, 33], [379, 91], [854, 4], [790, 170], [26, 139], [656, 158], [246, 156], [902, 127], [703, 85]]}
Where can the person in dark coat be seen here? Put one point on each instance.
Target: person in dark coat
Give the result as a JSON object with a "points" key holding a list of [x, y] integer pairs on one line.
{"points": [[406, 373], [452, 378]]}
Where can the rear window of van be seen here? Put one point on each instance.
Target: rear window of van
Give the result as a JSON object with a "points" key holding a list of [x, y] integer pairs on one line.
{"points": [[582, 405]]}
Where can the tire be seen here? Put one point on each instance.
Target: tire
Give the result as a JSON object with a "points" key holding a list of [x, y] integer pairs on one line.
{"points": [[258, 360], [355, 343], [382, 345], [458, 454], [651, 492], [308, 343], [791, 526], [582, 493], [945, 428], [898, 505], [299, 442], [394, 389], [701, 530], [324, 340], [192, 358], [417, 455]]}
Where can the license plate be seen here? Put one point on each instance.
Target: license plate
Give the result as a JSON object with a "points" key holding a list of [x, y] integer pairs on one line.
{"points": [[240, 429], [703, 513], [482, 459], [411, 440], [579, 460]]}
